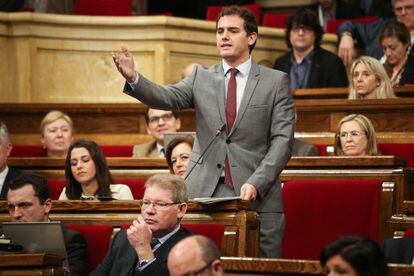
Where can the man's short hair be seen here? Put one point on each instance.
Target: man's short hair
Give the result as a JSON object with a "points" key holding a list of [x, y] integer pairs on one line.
{"points": [[4, 133], [304, 17], [250, 22], [146, 116], [37, 181], [173, 183]]}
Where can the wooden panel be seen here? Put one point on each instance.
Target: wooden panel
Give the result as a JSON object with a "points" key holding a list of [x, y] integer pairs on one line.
{"points": [[342, 93]]}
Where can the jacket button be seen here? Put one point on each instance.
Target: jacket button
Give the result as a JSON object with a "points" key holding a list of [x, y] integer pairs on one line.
{"points": [[228, 141], [219, 166]]}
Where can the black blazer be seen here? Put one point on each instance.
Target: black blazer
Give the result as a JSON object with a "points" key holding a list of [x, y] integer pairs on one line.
{"points": [[121, 258], [399, 251], [327, 69], [76, 249], [11, 175]]}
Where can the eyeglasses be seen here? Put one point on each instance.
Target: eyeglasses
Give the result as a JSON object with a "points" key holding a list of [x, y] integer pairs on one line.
{"points": [[158, 205], [407, 9], [297, 28], [197, 272], [164, 117], [353, 134]]}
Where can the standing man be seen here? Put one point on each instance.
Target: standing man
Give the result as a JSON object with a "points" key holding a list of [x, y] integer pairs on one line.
{"points": [[250, 109], [307, 63], [28, 200], [143, 248], [7, 174], [158, 122]]}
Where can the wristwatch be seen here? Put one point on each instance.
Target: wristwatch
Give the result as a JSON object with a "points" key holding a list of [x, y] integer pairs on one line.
{"points": [[143, 262]]}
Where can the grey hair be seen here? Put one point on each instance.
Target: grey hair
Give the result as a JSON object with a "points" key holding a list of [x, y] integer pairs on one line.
{"points": [[4, 133]]}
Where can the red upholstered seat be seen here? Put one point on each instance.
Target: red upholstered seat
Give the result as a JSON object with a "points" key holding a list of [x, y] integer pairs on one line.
{"points": [[275, 20], [137, 186], [117, 151], [401, 149], [28, 151], [55, 187], [214, 11], [318, 212], [103, 7], [332, 25], [409, 233], [321, 149], [215, 232], [97, 240]]}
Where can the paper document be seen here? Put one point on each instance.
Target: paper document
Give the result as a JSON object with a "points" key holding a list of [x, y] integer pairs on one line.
{"points": [[208, 200]]}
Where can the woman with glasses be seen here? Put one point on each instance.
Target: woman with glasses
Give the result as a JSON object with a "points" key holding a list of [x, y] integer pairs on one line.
{"points": [[395, 40], [355, 136], [88, 176], [368, 80], [178, 154]]}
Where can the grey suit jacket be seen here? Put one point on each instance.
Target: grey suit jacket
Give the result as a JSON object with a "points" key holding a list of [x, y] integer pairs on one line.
{"points": [[259, 144]]}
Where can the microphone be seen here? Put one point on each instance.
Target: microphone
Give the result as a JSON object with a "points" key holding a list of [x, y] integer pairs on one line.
{"points": [[218, 132]]}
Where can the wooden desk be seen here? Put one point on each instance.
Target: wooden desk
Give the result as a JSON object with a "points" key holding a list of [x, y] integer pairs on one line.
{"points": [[241, 237], [259, 266], [30, 264]]}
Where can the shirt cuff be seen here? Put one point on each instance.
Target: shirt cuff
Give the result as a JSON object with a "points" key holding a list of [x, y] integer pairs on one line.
{"points": [[142, 267], [132, 84]]}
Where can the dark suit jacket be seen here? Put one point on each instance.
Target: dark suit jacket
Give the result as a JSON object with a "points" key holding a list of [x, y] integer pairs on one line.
{"points": [[343, 10], [327, 69], [76, 250], [11, 175], [399, 251], [121, 258], [303, 148]]}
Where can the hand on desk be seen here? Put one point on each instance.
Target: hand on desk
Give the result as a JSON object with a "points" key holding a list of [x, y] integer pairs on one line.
{"points": [[248, 192]]}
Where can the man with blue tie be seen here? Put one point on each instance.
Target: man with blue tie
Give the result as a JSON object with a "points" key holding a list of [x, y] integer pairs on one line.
{"points": [[252, 102]]}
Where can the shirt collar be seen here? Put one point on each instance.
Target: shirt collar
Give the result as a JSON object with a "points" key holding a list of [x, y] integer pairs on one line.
{"points": [[243, 68], [307, 59], [169, 235], [159, 148]]}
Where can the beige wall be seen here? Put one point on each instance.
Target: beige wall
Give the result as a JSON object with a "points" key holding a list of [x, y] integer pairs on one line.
{"points": [[61, 58]]}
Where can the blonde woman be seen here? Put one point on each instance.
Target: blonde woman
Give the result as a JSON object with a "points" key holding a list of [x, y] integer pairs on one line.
{"points": [[369, 80]]}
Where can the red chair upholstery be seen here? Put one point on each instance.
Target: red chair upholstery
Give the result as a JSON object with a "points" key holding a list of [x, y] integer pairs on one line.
{"points": [[137, 186], [28, 151], [275, 20], [214, 11], [215, 232], [409, 233], [318, 212], [401, 149], [55, 187], [97, 239], [103, 7], [117, 151], [332, 25], [321, 149]]}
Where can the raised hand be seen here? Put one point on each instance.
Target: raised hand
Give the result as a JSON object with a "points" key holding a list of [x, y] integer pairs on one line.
{"points": [[125, 64]]}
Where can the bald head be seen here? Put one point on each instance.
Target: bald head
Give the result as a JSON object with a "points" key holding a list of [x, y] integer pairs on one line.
{"points": [[195, 254]]}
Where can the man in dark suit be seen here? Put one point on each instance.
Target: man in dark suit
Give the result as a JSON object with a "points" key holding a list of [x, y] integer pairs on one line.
{"points": [[28, 200], [247, 107], [308, 64], [7, 174], [143, 248], [399, 251]]}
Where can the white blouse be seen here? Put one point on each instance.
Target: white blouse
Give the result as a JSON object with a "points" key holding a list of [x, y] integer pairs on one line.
{"points": [[118, 191]]}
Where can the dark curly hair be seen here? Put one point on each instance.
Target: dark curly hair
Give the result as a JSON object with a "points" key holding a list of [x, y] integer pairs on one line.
{"points": [[307, 18]]}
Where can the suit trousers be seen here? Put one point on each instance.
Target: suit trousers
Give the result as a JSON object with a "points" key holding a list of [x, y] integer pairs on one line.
{"points": [[272, 226]]}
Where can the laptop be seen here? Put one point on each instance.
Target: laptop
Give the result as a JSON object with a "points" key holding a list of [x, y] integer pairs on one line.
{"points": [[168, 136], [37, 237]]}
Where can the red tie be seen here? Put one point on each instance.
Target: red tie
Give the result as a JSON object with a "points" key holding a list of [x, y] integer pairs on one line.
{"points": [[231, 111]]}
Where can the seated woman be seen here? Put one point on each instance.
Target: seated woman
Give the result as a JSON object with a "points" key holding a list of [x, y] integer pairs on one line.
{"points": [[353, 256], [178, 154], [56, 131], [395, 40], [355, 136], [88, 176], [368, 80]]}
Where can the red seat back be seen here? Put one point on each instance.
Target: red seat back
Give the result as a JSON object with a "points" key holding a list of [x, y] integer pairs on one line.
{"points": [[318, 212], [321, 149], [399, 149], [409, 233], [55, 187], [214, 11], [117, 151], [275, 20], [97, 240], [103, 7], [28, 151], [137, 186], [332, 25]]}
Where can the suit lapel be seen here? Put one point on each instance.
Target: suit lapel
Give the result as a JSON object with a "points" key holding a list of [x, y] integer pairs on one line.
{"points": [[314, 70], [247, 95], [219, 85]]}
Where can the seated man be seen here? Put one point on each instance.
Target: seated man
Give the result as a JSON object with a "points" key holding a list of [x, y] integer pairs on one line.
{"points": [[7, 174], [308, 64], [28, 200], [144, 247], [158, 122], [196, 255]]}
